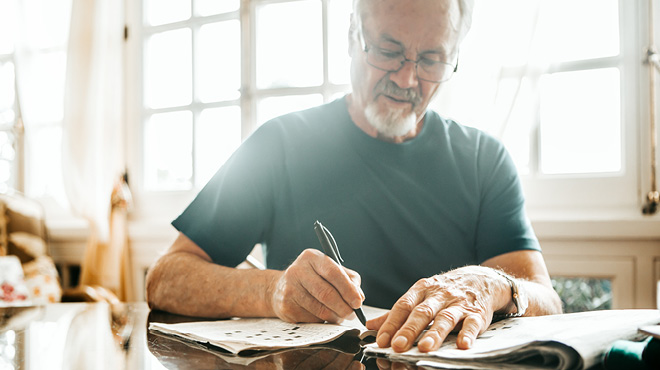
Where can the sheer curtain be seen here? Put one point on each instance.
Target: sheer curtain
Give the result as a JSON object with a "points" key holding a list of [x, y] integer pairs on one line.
{"points": [[39, 60], [92, 157]]}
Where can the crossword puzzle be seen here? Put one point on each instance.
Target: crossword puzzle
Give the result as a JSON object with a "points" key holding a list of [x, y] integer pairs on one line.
{"points": [[272, 332], [236, 335], [286, 334]]}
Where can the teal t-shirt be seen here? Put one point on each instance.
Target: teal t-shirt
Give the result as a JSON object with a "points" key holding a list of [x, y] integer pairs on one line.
{"points": [[399, 212]]}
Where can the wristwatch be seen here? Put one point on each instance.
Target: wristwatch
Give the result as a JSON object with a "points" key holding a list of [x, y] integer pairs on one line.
{"points": [[518, 301]]}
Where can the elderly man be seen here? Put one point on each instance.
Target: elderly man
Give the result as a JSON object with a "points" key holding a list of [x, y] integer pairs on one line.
{"points": [[428, 214]]}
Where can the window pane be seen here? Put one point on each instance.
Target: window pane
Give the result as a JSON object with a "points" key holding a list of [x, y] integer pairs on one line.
{"points": [[210, 7], [515, 107], [588, 29], [7, 94], [46, 23], [275, 106], [8, 16], [168, 151], [7, 145], [7, 117], [289, 44], [7, 164], [43, 87], [583, 294], [339, 62], [168, 69], [501, 32], [580, 122], [166, 11], [218, 134], [44, 162], [218, 73]]}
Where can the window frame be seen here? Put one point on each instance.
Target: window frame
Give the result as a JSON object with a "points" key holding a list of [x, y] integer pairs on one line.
{"points": [[168, 203], [588, 189], [588, 197], [24, 172]]}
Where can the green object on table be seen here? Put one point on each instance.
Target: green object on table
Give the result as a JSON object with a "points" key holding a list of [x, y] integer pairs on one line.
{"points": [[651, 354], [625, 354]]}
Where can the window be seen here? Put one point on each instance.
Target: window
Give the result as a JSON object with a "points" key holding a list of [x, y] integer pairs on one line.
{"points": [[213, 72], [561, 98], [33, 36], [569, 102], [564, 100]]}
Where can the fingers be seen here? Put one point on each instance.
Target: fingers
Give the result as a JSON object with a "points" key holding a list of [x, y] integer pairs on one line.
{"points": [[315, 287], [357, 281], [394, 323], [447, 302], [473, 325], [346, 286], [444, 323], [326, 295], [308, 304], [376, 323], [418, 320]]}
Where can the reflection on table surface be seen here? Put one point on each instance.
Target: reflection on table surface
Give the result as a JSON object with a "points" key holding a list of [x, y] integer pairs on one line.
{"points": [[100, 336]]}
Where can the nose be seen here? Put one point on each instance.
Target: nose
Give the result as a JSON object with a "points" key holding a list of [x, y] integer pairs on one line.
{"points": [[406, 76]]}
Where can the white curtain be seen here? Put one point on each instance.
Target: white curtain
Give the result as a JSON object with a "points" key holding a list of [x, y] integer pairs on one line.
{"points": [[41, 34], [92, 158]]}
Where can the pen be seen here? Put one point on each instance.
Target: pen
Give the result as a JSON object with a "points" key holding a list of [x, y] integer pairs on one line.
{"points": [[331, 250]]}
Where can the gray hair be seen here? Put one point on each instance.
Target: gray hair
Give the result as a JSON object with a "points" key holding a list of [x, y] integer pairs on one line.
{"points": [[465, 7]]}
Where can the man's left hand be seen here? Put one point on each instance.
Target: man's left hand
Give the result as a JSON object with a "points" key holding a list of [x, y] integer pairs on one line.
{"points": [[464, 298]]}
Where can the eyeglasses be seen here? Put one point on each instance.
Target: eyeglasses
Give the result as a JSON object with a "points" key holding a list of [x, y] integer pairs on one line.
{"points": [[427, 68]]}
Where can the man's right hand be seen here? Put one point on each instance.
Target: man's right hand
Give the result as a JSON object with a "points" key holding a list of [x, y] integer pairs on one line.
{"points": [[316, 289]]}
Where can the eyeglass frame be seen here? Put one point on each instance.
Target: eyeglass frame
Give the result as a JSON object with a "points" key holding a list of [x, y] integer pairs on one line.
{"points": [[366, 48]]}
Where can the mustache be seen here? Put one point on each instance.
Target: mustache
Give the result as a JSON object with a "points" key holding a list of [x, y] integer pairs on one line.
{"points": [[387, 87]]}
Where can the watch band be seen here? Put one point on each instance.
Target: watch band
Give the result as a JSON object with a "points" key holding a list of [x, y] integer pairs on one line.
{"points": [[521, 305]]}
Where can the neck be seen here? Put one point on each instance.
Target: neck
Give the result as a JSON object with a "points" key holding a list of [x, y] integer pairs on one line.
{"points": [[360, 120]]}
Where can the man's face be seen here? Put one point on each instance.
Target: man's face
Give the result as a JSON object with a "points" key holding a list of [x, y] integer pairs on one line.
{"points": [[394, 102]]}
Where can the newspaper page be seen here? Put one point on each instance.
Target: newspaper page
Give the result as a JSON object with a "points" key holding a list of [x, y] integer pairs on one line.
{"points": [[567, 341], [238, 335]]}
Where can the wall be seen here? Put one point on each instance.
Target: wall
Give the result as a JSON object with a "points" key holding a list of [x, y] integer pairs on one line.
{"points": [[625, 251]]}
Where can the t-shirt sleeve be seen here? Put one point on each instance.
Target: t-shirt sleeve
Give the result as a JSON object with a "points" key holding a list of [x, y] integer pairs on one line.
{"points": [[233, 211], [503, 225]]}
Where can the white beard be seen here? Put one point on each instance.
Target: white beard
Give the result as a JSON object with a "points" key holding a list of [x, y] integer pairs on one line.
{"points": [[391, 123]]}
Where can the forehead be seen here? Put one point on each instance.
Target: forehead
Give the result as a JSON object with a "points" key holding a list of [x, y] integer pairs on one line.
{"points": [[417, 24]]}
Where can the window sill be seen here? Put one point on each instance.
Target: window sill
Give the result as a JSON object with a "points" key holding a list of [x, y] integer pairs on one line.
{"points": [[595, 225], [141, 230], [548, 226]]}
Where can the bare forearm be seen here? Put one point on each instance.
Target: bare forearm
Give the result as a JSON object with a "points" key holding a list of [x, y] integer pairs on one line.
{"points": [[542, 299], [532, 278], [186, 284]]}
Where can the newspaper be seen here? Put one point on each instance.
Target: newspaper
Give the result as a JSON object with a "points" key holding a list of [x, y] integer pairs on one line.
{"points": [[240, 335], [562, 342]]}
